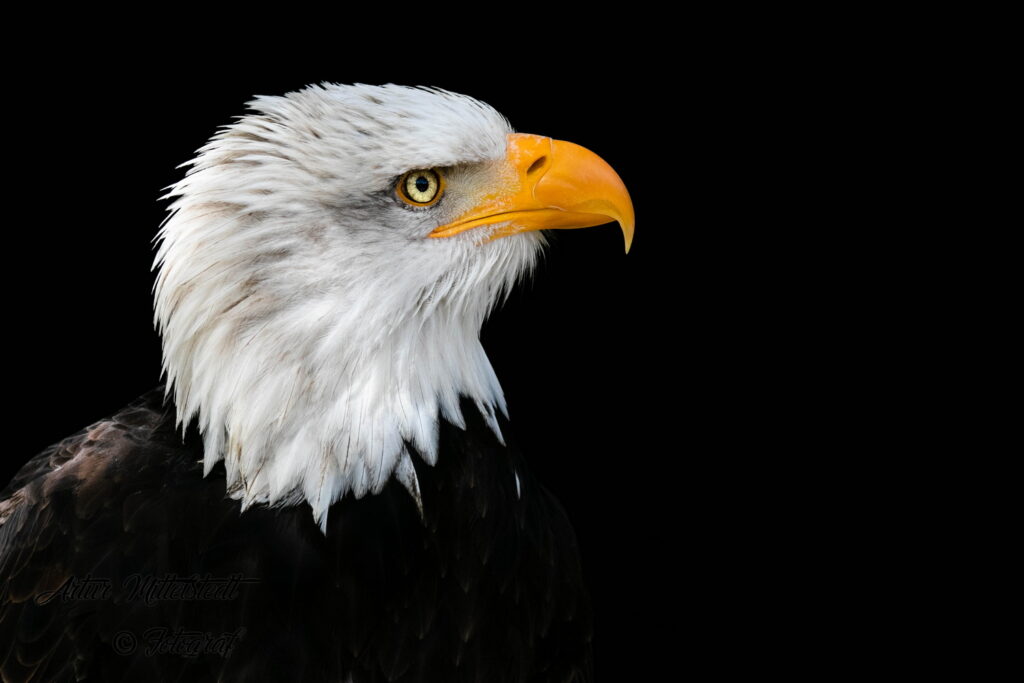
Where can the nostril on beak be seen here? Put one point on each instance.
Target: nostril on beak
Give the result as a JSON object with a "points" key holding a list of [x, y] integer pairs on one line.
{"points": [[537, 165]]}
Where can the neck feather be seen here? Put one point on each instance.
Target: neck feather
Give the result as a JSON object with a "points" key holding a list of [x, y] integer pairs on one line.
{"points": [[309, 392]]}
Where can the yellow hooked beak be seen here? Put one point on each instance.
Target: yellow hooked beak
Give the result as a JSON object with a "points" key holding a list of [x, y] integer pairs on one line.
{"points": [[557, 185]]}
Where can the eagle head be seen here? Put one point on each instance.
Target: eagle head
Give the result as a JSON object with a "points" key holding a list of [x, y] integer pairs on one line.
{"points": [[325, 269]]}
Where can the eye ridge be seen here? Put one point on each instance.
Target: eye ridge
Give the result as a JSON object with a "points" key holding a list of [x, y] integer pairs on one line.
{"points": [[421, 187]]}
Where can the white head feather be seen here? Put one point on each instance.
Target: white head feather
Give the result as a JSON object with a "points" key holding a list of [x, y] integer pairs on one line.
{"points": [[307, 320]]}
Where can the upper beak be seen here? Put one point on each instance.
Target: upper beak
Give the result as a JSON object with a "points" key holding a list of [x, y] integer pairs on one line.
{"points": [[557, 185]]}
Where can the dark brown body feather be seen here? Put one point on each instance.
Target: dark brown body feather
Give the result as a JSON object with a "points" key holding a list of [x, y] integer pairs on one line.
{"points": [[485, 586]]}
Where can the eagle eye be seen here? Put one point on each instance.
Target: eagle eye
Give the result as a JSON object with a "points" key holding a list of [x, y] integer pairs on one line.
{"points": [[421, 188]]}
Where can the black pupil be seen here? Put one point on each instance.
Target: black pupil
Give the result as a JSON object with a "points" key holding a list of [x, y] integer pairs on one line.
{"points": [[422, 184]]}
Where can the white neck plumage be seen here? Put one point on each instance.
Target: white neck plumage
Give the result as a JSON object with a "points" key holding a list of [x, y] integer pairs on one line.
{"points": [[312, 376]]}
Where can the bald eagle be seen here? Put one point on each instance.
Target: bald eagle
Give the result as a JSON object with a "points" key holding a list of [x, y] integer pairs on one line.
{"points": [[322, 490]]}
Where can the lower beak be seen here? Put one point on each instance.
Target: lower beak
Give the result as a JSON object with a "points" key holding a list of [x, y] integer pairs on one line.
{"points": [[557, 185]]}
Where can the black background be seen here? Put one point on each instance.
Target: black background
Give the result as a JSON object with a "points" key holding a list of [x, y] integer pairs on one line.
{"points": [[605, 358]]}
